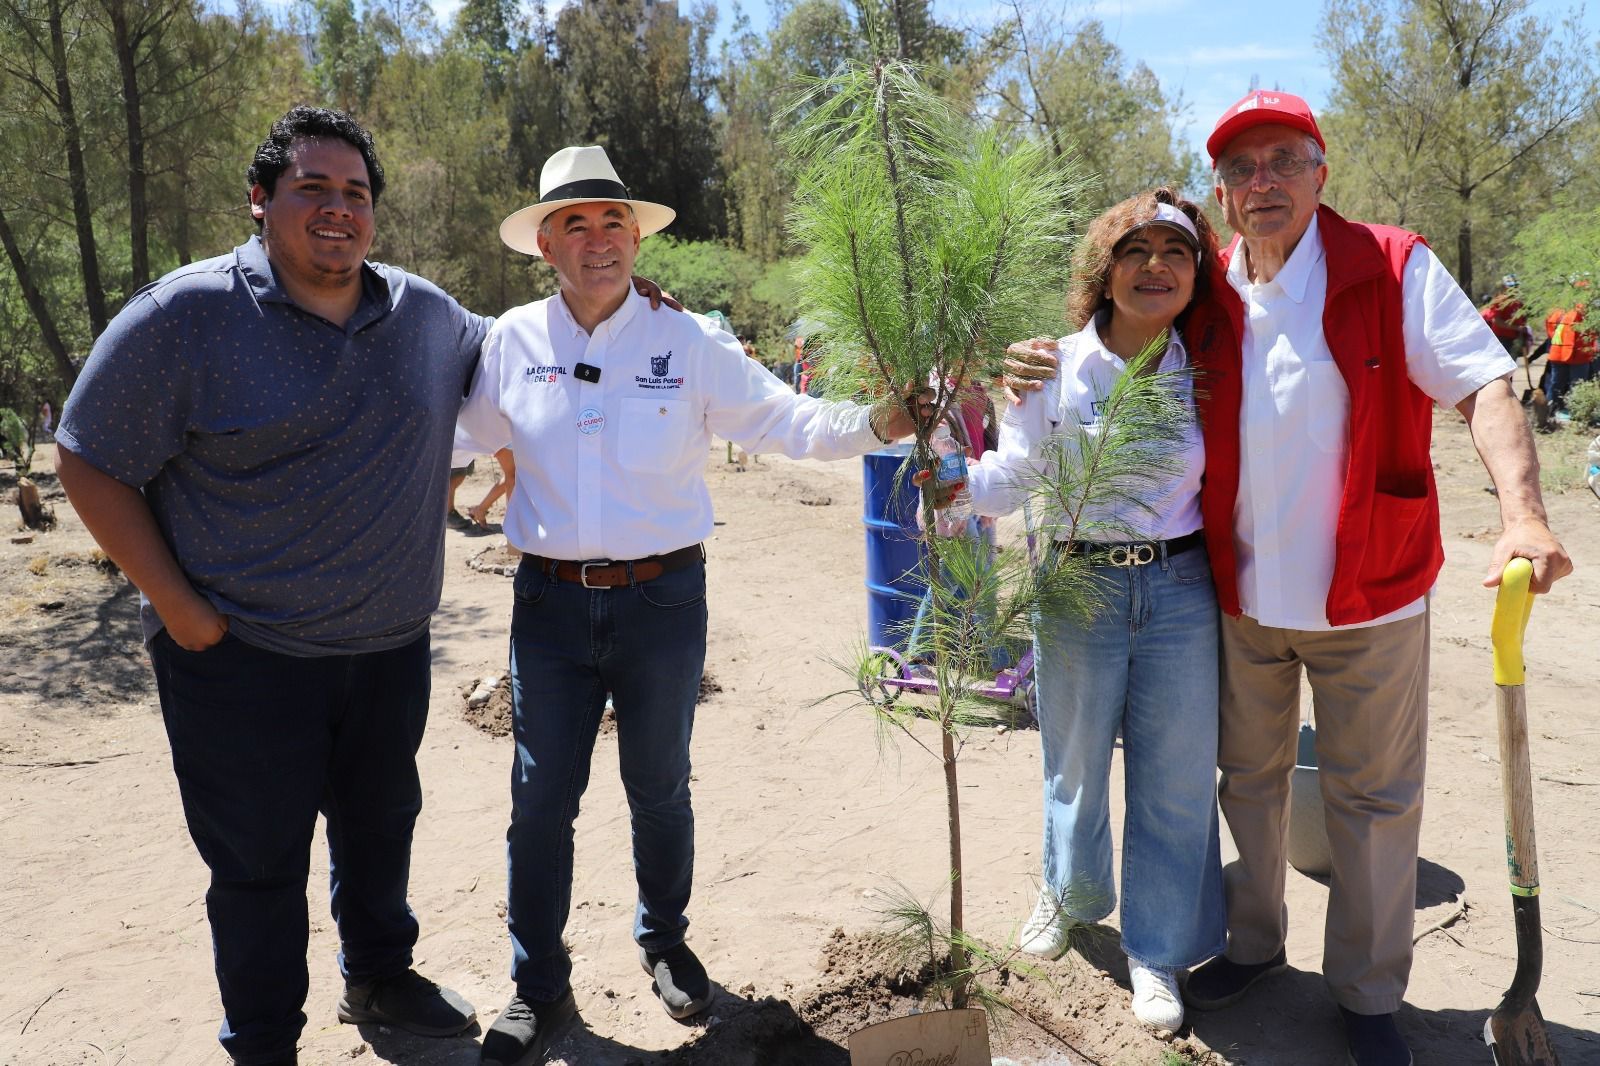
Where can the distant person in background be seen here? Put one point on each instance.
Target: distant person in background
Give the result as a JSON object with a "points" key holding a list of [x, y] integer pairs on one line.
{"points": [[783, 370], [1572, 349], [479, 512], [47, 418], [1507, 319], [462, 463], [802, 367]]}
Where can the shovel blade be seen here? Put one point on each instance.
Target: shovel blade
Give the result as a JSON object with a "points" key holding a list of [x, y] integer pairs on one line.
{"points": [[1516, 1036]]}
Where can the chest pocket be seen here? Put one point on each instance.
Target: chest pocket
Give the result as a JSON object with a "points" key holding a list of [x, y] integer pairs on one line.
{"points": [[654, 434], [1328, 409]]}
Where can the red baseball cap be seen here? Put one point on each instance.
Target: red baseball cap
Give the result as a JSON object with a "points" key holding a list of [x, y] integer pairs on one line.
{"points": [[1262, 108]]}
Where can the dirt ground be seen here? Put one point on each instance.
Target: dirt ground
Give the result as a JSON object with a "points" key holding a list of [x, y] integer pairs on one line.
{"points": [[805, 823]]}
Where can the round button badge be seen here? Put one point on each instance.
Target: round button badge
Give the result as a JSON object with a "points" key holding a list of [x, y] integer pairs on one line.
{"points": [[591, 421]]}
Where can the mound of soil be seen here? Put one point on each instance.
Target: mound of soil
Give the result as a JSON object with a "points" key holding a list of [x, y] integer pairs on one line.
{"points": [[498, 558], [493, 715], [1067, 1013]]}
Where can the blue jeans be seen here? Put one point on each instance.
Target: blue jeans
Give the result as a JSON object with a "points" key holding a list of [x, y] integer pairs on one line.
{"points": [[260, 742], [1562, 377], [646, 645], [1145, 666]]}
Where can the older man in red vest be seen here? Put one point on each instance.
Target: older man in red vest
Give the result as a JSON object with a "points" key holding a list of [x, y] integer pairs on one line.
{"points": [[1324, 354]]}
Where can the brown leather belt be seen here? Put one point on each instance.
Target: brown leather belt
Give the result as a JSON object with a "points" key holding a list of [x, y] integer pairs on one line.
{"points": [[611, 573]]}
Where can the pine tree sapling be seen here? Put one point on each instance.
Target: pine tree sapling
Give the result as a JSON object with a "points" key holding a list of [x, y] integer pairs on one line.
{"points": [[926, 242]]}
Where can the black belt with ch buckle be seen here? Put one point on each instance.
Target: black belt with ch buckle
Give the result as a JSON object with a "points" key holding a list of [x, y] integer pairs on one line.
{"points": [[1136, 552]]}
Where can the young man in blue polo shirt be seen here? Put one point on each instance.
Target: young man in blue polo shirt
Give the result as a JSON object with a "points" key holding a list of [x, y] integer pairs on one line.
{"points": [[260, 441]]}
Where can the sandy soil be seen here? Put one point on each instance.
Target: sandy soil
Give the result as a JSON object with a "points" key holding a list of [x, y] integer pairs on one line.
{"points": [[804, 819]]}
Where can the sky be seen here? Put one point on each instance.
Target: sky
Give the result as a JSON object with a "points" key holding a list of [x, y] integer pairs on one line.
{"points": [[1205, 50]]}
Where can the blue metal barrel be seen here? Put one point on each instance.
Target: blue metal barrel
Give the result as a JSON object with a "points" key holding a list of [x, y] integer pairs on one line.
{"points": [[895, 579]]}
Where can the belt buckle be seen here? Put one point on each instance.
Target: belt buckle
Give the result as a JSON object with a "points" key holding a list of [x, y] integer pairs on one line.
{"points": [[583, 573], [1126, 555]]}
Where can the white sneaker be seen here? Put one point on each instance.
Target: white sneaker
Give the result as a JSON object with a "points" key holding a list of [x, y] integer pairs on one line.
{"points": [[1155, 997], [1048, 930]]}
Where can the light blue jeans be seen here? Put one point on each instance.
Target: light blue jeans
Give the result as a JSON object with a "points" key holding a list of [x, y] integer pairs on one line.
{"points": [[1146, 667]]}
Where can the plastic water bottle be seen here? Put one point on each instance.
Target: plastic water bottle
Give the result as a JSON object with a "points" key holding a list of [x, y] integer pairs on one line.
{"points": [[951, 469], [1594, 466]]}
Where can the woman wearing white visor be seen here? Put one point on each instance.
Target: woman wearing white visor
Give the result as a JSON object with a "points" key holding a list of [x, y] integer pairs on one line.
{"points": [[1145, 667]]}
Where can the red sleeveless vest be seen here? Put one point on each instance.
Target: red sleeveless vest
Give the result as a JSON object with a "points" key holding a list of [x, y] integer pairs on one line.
{"points": [[1387, 550]]}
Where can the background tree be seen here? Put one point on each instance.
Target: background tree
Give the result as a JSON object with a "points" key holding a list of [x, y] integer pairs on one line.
{"points": [[1555, 258], [37, 36], [637, 78], [1065, 83], [1451, 116]]}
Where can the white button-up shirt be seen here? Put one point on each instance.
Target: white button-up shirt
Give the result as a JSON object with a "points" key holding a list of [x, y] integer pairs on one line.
{"points": [[614, 469], [1167, 506], [1295, 418]]}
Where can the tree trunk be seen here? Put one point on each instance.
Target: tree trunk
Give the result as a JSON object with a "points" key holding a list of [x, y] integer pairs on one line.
{"points": [[132, 112], [952, 795], [35, 515], [78, 175], [1464, 247], [37, 304]]}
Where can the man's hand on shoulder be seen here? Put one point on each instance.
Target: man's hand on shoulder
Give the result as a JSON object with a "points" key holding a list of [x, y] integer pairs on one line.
{"points": [[1530, 538], [1029, 364], [652, 292]]}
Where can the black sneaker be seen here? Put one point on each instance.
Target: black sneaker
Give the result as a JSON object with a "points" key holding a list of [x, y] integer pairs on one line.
{"points": [[680, 981], [406, 1001], [457, 520], [1222, 982], [525, 1030], [1374, 1040]]}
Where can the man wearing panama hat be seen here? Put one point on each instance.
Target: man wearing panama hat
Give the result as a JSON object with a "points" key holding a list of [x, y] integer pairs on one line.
{"points": [[609, 407]]}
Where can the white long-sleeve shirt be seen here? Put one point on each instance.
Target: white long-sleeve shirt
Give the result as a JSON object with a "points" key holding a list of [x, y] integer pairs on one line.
{"points": [[1066, 406], [614, 469]]}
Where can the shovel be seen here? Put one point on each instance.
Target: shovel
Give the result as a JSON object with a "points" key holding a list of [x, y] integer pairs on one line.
{"points": [[1515, 1031]]}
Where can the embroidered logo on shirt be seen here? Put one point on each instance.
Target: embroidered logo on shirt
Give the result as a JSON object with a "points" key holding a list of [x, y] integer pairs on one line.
{"points": [[544, 373], [658, 374]]}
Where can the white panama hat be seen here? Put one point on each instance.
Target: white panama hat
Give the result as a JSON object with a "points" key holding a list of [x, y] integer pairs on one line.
{"points": [[577, 176]]}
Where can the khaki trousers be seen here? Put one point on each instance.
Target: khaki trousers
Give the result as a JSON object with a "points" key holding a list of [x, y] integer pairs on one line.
{"points": [[1369, 692]]}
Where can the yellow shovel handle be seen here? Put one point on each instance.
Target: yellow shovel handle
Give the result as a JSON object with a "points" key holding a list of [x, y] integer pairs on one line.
{"points": [[1512, 605]]}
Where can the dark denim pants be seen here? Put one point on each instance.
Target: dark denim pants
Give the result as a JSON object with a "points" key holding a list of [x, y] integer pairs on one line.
{"points": [[646, 645], [1562, 377], [260, 742]]}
